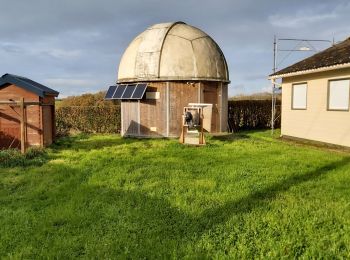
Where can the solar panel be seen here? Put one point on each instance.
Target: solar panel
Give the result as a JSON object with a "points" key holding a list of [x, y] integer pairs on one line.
{"points": [[139, 91], [110, 92], [129, 91], [119, 92], [126, 91]]}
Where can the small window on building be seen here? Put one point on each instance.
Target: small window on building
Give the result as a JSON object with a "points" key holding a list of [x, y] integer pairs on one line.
{"points": [[299, 94], [338, 94]]}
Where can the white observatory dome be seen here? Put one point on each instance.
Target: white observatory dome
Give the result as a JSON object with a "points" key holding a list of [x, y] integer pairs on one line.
{"points": [[173, 51]]}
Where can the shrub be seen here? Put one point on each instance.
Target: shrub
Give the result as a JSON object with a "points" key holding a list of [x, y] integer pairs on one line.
{"points": [[88, 119], [34, 152], [13, 157]]}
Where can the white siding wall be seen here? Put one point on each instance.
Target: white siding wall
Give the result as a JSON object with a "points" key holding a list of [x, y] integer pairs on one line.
{"points": [[316, 122]]}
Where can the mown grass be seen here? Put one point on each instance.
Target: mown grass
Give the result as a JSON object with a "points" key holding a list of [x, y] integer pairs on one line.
{"points": [[242, 196]]}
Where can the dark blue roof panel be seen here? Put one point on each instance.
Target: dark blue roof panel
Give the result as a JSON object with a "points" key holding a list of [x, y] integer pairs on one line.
{"points": [[27, 84]]}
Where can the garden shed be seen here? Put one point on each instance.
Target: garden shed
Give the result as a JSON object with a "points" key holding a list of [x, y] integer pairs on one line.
{"points": [[163, 70], [27, 113]]}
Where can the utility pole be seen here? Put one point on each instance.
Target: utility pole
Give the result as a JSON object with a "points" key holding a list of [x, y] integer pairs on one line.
{"points": [[273, 85], [274, 69]]}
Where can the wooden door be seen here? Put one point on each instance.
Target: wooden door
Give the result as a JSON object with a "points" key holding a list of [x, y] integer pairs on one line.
{"points": [[130, 118]]}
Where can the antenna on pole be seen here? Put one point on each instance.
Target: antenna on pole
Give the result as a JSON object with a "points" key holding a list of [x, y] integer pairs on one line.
{"points": [[274, 69], [273, 105]]}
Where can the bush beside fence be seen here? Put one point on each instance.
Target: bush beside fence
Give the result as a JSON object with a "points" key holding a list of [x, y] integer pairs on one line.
{"points": [[242, 115]]}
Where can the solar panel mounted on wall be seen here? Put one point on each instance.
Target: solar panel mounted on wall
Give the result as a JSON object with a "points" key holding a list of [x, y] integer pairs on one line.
{"points": [[110, 92], [139, 91], [129, 91], [126, 91], [119, 92]]}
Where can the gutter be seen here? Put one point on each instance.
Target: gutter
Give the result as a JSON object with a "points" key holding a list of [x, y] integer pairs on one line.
{"points": [[303, 72]]}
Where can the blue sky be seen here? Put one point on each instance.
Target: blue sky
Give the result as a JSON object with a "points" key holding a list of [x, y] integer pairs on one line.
{"points": [[74, 46]]}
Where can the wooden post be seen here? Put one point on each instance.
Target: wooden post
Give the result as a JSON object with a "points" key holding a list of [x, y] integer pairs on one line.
{"points": [[23, 126], [53, 121], [182, 136], [201, 135]]}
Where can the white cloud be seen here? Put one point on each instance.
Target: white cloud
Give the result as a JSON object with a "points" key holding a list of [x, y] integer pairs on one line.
{"points": [[69, 82], [267, 88], [73, 86], [10, 47], [300, 19], [237, 89], [63, 54], [35, 49]]}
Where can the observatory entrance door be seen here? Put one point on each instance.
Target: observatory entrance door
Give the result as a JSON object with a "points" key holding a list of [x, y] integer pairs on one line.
{"points": [[130, 111], [210, 96]]}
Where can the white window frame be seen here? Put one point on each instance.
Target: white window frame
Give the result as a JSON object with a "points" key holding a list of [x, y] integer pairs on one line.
{"points": [[329, 96], [293, 97]]}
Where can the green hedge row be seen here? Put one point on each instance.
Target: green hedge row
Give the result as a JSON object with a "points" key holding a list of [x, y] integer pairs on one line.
{"points": [[252, 114], [242, 114], [88, 119]]}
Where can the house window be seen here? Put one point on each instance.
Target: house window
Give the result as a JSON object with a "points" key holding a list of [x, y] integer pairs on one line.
{"points": [[299, 94], [338, 94]]}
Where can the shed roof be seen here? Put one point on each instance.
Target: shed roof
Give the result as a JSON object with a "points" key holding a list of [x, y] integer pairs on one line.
{"points": [[338, 54], [173, 51], [27, 84]]}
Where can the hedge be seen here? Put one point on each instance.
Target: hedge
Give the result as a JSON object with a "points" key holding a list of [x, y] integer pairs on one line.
{"points": [[252, 114], [242, 114], [88, 119]]}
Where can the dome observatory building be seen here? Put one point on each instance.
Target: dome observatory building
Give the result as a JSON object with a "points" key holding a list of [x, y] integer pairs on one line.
{"points": [[162, 71]]}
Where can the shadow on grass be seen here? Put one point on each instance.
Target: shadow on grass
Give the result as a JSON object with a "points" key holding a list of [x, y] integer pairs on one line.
{"points": [[230, 137], [83, 142], [262, 197], [147, 226], [130, 223]]}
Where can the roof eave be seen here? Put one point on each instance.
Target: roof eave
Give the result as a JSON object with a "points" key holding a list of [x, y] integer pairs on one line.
{"points": [[51, 94], [129, 80], [12, 80], [18, 81], [303, 72]]}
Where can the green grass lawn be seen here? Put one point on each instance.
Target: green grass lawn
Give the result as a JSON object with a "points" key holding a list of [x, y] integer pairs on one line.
{"points": [[245, 196]]}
